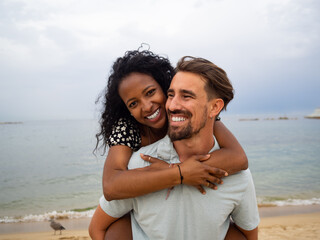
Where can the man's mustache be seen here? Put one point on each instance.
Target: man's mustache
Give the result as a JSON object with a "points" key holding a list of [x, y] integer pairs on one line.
{"points": [[183, 112]]}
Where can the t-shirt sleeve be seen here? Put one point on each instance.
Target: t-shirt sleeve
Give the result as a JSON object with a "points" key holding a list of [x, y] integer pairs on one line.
{"points": [[246, 214], [126, 133], [116, 208]]}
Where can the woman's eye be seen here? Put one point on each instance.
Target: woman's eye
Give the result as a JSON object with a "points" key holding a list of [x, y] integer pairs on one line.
{"points": [[150, 92], [132, 104]]}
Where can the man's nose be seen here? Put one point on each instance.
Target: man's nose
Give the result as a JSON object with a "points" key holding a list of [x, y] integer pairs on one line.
{"points": [[173, 103]]}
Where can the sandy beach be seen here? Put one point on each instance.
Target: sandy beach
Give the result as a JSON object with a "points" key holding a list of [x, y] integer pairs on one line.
{"points": [[277, 223], [293, 227]]}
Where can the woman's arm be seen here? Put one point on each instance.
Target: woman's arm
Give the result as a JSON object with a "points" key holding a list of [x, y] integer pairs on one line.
{"points": [[120, 183], [230, 157]]}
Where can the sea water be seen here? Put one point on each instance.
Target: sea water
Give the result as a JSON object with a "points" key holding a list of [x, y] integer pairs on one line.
{"points": [[47, 168], [284, 158]]}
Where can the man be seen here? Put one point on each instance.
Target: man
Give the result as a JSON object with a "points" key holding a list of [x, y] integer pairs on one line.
{"points": [[197, 94]]}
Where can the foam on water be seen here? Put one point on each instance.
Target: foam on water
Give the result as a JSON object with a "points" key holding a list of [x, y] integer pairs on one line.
{"points": [[47, 216], [89, 213], [288, 202]]}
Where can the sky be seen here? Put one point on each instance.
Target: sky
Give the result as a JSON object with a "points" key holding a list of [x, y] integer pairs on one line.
{"points": [[55, 56]]}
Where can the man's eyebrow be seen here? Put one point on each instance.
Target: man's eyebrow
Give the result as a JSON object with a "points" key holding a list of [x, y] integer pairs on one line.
{"points": [[183, 91], [188, 92], [170, 90]]}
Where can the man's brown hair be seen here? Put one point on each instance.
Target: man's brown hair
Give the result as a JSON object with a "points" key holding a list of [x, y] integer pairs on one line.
{"points": [[217, 82]]}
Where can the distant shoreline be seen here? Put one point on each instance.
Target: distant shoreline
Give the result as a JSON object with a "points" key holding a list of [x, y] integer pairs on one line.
{"points": [[267, 119], [11, 122]]}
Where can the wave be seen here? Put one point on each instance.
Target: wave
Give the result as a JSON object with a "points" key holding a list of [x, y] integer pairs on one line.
{"points": [[269, 202], [88, 212], [73, 214]]}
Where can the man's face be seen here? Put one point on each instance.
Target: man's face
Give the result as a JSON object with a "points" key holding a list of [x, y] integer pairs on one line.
{"points": [[187, 106]]}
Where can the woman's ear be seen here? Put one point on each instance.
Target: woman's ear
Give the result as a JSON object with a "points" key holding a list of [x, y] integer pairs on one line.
{"points": [[216, 107]]}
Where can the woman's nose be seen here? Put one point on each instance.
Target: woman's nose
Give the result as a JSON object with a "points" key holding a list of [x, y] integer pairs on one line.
{"points": [[147, 105]]}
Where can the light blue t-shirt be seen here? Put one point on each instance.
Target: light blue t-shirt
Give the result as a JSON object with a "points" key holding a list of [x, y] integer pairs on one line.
{"points": [[187, 214]]}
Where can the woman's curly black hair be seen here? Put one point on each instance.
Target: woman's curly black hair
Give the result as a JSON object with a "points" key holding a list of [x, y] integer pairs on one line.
{"points": [[113, 107]]}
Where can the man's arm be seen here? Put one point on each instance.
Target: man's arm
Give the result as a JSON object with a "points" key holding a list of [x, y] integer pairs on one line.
{"points": [[246, 214]]}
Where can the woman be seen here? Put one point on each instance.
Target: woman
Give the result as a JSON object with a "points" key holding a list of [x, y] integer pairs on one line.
{"points": [[134, 116]]}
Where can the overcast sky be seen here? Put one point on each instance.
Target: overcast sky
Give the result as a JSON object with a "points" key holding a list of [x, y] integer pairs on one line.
{"points": [[55, 56]]}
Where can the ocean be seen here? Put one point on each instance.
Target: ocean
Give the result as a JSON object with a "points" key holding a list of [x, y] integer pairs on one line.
{"points": [[48, 168]]}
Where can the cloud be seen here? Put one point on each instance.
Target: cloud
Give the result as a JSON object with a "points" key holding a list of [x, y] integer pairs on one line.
{"points": [[55, 55]]}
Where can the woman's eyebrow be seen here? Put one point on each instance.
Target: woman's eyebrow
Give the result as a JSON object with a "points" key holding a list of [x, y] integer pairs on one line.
{"points": [[143, 91], [129, 100], [147, 87]]}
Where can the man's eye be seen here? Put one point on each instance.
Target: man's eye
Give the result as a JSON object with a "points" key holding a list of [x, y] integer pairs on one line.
{"points": [[170, 95]]}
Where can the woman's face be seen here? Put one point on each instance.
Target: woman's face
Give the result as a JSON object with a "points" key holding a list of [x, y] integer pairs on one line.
{"points": [[145, 99]]}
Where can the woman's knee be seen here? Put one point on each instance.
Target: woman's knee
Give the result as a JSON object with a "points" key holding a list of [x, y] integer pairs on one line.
{"points": [[120, 229]]}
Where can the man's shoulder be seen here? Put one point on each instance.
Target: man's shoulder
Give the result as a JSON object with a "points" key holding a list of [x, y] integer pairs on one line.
{"points": [[239, 180], [152, 150], [244, 174]]}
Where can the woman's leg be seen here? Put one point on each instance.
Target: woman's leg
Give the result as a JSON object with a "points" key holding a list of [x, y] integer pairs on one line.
{"points": [[103, 226], [233, 233], [120, 229]]}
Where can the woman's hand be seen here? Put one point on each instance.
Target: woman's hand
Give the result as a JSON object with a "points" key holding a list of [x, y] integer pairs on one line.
{"points": [[198, 174], [155, 163], [194, 171]]}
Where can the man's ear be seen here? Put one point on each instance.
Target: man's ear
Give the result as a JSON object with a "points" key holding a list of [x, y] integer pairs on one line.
{"points": [[215, 107]]}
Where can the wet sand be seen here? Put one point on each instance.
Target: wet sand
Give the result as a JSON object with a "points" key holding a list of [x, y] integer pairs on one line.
{"points": [[291, 222]]}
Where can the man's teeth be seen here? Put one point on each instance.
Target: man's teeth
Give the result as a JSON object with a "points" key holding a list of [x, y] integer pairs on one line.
{"points": [[178, 119], [154, 115]]}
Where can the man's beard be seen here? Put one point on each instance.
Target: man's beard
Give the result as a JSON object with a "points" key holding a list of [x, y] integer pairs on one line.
{"points": [[188, 131]]}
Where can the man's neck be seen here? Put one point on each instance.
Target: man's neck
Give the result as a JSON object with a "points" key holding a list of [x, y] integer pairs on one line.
{"points": [[201, 143]]}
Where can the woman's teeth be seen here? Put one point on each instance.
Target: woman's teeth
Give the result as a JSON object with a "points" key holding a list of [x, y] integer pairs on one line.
{"points": [[154, 115]]}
